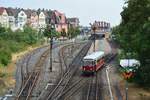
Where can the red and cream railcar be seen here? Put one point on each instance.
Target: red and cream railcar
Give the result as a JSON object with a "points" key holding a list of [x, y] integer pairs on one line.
{"points": [[93, 62]]}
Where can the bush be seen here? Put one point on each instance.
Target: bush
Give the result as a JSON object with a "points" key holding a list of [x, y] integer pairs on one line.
{"points": [[5, 57], [12, 42]]}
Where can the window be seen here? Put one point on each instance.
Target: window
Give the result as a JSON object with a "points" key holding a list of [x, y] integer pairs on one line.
{"points": [[89, 63], [22, 14], [20, 19]]}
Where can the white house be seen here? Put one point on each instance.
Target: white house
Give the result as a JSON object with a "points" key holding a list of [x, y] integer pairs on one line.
{"points": [[42, 20], [21, 19]]}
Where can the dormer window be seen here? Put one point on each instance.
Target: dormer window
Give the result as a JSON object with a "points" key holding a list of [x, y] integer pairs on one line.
{"points": [[60, 17]]}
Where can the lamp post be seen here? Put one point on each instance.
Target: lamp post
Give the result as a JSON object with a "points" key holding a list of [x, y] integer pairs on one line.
{"points": [[51, 45], [50, 33]]}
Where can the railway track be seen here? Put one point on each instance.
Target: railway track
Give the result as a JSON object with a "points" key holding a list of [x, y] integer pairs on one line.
{"points": [[61, 89], [70, 72], [63, 58], [24, 66], [92, 90], [30, 81], [72, 90], [90, 85], [26, 62]]}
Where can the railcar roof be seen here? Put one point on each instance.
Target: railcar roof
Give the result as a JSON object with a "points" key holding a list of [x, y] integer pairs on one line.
{"points": [[94, 55]]}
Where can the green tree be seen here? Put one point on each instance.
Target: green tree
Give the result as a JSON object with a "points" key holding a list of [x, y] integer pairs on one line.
{"points": [[50, 32], [133, 35], [72, 32]]}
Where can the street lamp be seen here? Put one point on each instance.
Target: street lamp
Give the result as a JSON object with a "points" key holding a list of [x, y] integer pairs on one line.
{"points": [[51, 45]]}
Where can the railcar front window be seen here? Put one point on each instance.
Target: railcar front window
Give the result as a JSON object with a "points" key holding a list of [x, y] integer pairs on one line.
{"points": [[88, 63]]}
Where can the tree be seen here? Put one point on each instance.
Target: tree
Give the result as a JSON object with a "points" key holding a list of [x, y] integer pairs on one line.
{"points": [[133, 35], [72, 32], [50, 32]]}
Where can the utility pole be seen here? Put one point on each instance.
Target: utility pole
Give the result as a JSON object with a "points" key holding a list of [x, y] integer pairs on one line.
{"points": [[94, 30]]}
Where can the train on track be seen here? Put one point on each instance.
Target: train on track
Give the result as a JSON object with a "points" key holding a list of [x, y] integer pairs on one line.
{"points": [[93, 62]]}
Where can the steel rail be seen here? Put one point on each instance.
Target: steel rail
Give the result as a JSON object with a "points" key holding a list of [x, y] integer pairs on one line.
{"points": [[36, 68], [74, 89], [62, 79], [65, 75], [23, 88], [66, 83], [34, 82], [89, 89]]}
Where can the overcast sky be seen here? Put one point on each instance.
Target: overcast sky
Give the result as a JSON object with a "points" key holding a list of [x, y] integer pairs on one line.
{"points": [[86, 10]]}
